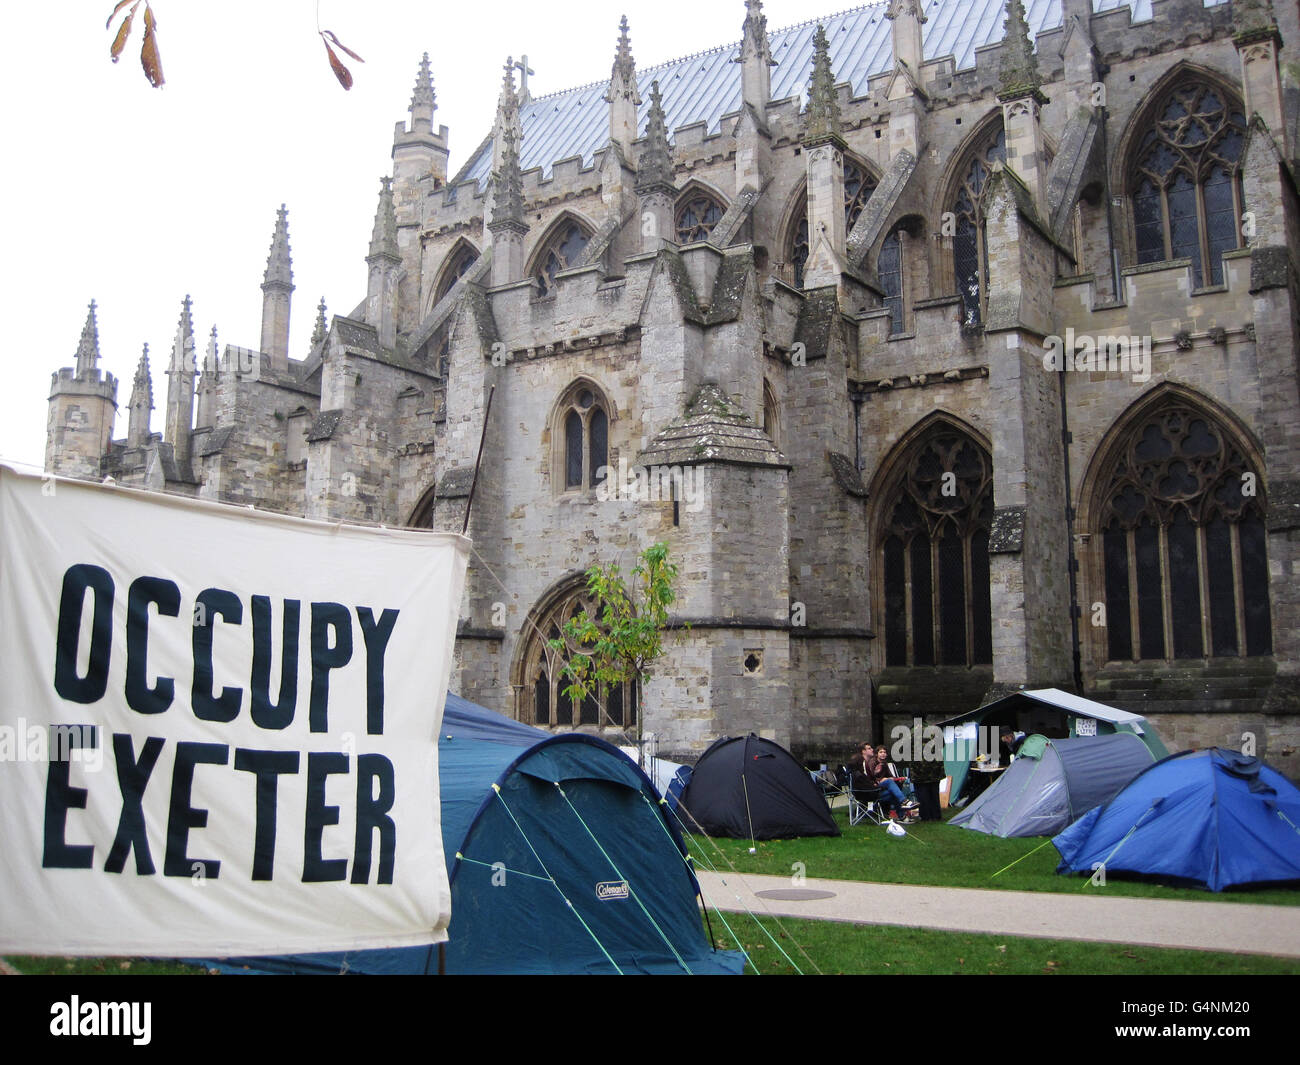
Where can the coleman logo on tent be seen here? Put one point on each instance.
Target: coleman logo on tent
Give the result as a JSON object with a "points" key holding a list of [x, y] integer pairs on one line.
{"points": [[611, 889]]}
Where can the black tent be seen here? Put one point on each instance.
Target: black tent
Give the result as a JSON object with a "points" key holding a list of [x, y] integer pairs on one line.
{"points": [[747, 787]]}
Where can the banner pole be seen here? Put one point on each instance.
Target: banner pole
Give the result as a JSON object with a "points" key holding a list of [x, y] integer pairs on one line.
{"points": [[487, 410]]}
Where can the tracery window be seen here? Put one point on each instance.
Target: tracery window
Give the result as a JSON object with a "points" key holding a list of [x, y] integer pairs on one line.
{"points": [[858, 187], [1186, 182], [935, 555], [696, 217], [1184, 543], [889, 269], [543, 701], [458, 265], [583, 424], [560, 252], [970, 245]]}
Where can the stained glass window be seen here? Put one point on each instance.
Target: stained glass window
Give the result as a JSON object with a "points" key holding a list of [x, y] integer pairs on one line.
{"points": [[543, 698], [889, 268], [584, 427], [1186, 182], [561, 251], [934, 551], [696, 217], [858, 187], [969, 246], [1185, 567]]}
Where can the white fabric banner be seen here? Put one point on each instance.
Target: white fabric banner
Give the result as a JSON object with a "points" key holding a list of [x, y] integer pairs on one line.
{"points": [[217, 726]]}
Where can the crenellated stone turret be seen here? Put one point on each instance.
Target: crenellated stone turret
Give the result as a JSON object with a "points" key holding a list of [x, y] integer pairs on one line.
{"points": [[277, 290], [907, 18], [418, 149]]}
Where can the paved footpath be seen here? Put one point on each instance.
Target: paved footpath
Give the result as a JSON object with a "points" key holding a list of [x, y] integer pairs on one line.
{"points": [[1223, 926]]}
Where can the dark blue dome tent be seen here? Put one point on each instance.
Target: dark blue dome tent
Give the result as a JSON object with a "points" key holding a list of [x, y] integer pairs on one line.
{"points": [[747, 787], [1213, 816], [561, 860]]}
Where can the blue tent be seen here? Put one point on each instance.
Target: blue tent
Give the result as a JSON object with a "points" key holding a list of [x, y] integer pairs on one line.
{"points": [[1212, 816], [561, 860]]}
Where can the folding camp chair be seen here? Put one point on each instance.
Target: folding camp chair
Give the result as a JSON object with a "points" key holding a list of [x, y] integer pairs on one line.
{"points": [[864, 802]]}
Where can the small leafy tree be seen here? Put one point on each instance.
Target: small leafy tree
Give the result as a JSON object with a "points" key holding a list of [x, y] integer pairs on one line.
{"points": [[622, 644]]}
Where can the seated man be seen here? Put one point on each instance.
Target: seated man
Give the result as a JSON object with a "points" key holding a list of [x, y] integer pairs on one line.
{"points": [[867, 770]]}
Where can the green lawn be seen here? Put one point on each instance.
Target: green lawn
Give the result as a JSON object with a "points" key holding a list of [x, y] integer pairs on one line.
{"points": [[940, 856], [836, 949], [56, 966]]}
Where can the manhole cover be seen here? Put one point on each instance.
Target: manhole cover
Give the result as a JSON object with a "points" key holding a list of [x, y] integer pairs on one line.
{"points": [[795, 894]]}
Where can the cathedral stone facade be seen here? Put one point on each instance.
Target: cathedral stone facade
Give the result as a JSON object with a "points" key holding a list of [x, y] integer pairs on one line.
{"points": [[950, 350]]}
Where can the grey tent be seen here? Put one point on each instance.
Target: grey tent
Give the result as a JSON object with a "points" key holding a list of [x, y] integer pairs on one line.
{"points": [[1052, 783]]}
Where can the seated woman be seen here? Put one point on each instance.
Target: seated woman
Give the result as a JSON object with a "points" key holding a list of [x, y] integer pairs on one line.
{"points": [[898, 789]]}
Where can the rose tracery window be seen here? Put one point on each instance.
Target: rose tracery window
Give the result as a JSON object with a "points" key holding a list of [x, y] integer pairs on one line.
{"points": [[935, 556], [1186, 182], [696, 217], [969, 245], [561, 252], [858, 187], [1183, 543], [543, 700]]}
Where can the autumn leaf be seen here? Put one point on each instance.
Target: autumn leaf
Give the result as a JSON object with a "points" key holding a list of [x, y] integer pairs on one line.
{"points": [[340, 71], [123, 31], [149, 57], [330, 34]]}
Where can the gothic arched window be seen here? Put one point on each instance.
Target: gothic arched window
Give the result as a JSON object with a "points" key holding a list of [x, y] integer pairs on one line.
{"points": [[543, 701], [771, 414], [969, 244], [889, 268], [458, 264], [858, 187], [1183, 542], [934, 550], [562, 251], [697, 214], [582, 428], [1186, 182]]}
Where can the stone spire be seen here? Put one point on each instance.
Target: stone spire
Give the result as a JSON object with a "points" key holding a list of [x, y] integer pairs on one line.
{"points": [[277, 289], [622, 96], [507, 225], [383, 238], [1254, 20], [654, 177], [322, 327], [88, 346], [138, 431], [423, 100], [205, 413], [279, 267], [907, 18], [507, 115], [822, 118], [385, 268], [755, 60], [655, 166], [1018, 72], [180, 388]]}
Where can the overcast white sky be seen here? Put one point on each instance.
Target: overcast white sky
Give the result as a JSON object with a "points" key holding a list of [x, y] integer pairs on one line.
{"points": [[135, 196]]}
